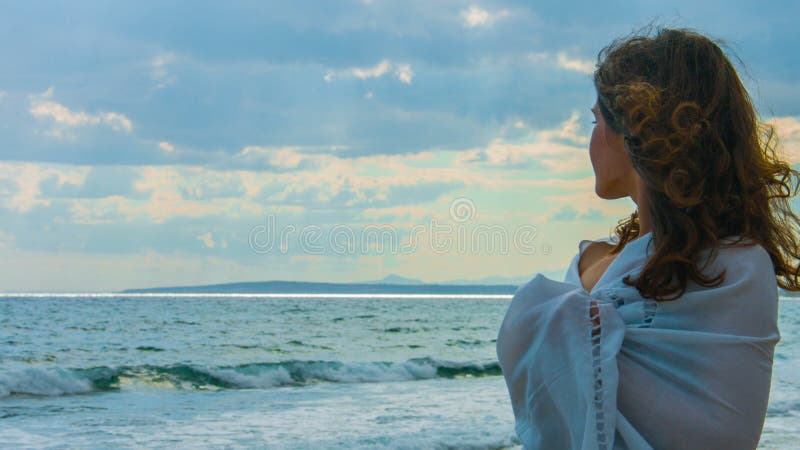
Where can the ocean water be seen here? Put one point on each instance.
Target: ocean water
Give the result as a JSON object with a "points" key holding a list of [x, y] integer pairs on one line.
{"points": [[231, 371]]}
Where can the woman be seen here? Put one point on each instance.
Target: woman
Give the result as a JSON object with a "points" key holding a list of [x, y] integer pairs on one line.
{"points": [[663, 335]]}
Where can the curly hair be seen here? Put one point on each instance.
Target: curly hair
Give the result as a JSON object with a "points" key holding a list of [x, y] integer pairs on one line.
{"points": [[712, 170]]}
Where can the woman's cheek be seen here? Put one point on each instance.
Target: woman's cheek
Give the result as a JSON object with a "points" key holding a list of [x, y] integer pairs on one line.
{"points": [[593, 143]]}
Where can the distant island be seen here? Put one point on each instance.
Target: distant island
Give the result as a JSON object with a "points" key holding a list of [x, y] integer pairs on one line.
{"points": [[303, 287], [391, 284]]}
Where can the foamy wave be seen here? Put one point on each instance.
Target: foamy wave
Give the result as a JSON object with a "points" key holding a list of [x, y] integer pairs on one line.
{"points": [[43, 381], [51, 380]]}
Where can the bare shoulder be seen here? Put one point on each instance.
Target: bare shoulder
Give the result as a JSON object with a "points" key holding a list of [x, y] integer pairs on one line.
{"points": [[593, 253]]}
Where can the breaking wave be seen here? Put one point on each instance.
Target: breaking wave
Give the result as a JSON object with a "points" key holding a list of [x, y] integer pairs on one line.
{"points": [[55, 380]]}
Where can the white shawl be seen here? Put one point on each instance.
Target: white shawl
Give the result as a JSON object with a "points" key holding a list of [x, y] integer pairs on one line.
{"points": [[690, 373]]}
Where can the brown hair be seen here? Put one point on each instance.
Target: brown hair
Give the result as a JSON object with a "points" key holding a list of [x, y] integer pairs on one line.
{"points": [[710, 167]]}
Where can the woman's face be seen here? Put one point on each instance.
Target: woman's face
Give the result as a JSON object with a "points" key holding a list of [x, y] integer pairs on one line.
{"points": [[614, 174]]}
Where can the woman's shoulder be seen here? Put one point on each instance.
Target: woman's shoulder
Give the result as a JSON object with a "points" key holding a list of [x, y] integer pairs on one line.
{"points": [[608, 240], [745, 302], [572, 274], [740, 256]]}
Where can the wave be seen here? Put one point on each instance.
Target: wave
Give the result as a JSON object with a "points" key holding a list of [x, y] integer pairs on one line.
{"points": [[54, 380]]}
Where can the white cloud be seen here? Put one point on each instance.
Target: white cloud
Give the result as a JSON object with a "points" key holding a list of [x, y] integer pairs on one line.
{"points": [[167, 192], [24, 180], [369, 95], [207, 239], [43, 107], [578, 65], [166, 186], [372, 72], [558, 150], [553, 157], [562, 60], [584, 201], [284, 157], [166, 146], [3, 95], [402, 72], [159, 70], [568, 130], [96, 211], [117, 121], [474, 16], [788, 130]]}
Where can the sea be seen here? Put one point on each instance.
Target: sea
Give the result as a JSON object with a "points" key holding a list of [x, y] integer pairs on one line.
{"points": [[284, 371]]}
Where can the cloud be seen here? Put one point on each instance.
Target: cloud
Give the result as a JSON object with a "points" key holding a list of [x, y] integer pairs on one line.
{"points": [[21, 183], [545, 156], [569, 130], [562, 60], [117, 121], [558, 150], [166, 146], [159, 70], [207, 239], [788, 131], [372, 72], [277, 158], [156, 194], [582, 203], [474, 16], [3, 95], [402, 72], [578, 65], [98, 211], [170, 198], [300, 181], [94, 182], [569, 214], [213, 185], [43, 107]]}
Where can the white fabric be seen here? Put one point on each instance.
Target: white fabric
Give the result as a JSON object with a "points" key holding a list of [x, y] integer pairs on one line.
{"points": [[689, 373]]}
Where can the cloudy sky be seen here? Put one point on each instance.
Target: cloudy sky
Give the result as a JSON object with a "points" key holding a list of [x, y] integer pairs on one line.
{"points": [[170, 143]]}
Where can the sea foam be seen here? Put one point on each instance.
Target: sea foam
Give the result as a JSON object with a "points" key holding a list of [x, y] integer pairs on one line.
{"points": [[54, 380]]}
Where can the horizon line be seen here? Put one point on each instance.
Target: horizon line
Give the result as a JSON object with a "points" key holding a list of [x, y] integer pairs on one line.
{"points": [[244, 295]]}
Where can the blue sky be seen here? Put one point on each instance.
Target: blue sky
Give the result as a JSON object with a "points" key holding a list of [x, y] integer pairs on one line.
{"points": [[149, 143]]}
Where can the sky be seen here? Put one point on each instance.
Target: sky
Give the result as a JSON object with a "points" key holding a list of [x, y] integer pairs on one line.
{"points": [[177, 143]]}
